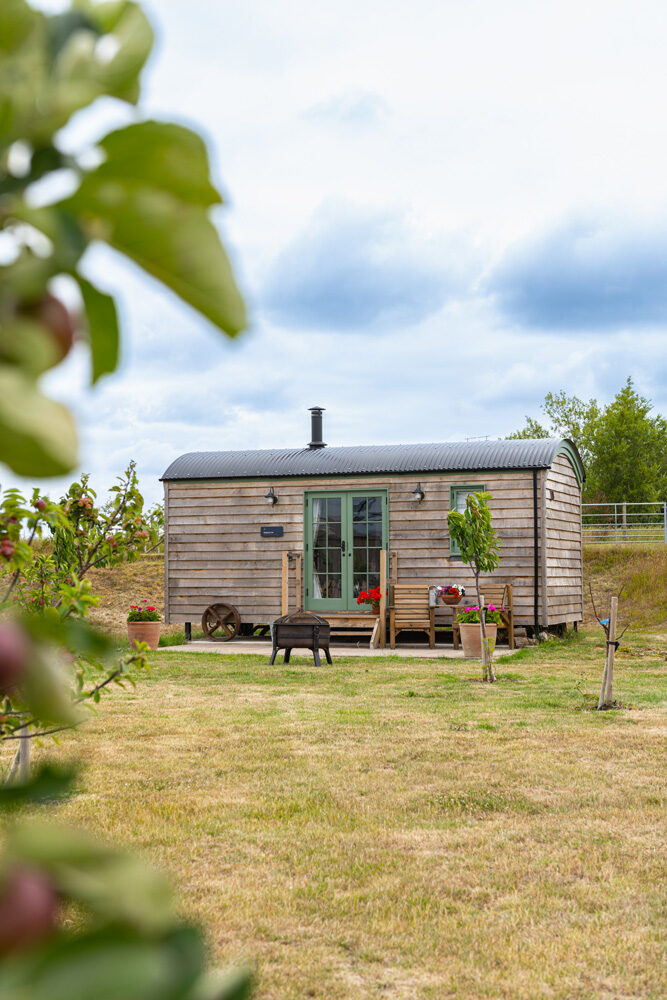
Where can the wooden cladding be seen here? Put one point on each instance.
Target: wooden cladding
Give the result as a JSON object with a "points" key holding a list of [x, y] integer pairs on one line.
{"points": [[214, 550]]}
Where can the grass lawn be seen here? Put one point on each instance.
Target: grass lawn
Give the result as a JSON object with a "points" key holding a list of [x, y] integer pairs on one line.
{"points": [[396, 829]]}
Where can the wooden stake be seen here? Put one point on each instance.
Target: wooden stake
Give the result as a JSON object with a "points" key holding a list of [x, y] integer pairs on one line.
{"points": [[285, 585], [299, 580], [383, 598], [607, 689], [609, 693]]}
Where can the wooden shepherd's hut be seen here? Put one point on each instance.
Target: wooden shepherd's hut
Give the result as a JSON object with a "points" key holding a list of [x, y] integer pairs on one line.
{"points": [[279, 530]]}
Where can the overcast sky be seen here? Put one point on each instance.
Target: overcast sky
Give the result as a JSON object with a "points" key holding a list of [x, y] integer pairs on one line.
{"points": [[439, 211]]}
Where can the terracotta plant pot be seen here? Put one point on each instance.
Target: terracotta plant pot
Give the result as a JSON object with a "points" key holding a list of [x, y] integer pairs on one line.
{"points": [[144, 632], [451, 599], [471, 639]]}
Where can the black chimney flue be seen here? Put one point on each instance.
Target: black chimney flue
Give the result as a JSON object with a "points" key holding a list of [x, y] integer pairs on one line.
{"points": [[316, 427]]}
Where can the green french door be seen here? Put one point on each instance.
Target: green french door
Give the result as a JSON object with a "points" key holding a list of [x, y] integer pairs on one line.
{"points": [[344, 534]]}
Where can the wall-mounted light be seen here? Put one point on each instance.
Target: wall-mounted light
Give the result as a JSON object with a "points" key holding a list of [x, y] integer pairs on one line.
{"points": [[271, 497], [418, 493]]}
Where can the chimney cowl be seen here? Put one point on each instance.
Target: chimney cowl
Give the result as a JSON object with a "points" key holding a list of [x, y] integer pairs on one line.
{"points": [[316, 427]]}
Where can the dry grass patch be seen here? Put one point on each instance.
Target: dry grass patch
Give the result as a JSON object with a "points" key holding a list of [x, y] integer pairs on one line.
{"points": [[639, 570], [390, 828]]}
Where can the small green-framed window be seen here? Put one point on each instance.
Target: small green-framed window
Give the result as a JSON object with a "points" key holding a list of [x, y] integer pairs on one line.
{"points": [[457, 501]]}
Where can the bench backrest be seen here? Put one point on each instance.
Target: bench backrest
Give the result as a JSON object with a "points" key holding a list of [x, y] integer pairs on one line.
{"points": [[499, 594]]}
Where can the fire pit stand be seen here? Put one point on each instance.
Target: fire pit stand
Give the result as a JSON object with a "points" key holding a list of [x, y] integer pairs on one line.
{"points": [[303, 630]]}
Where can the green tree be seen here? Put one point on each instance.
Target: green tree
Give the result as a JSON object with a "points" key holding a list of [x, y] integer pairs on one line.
{"points": [[623, 447], [479, 544], [629, 451], [532, 430]]}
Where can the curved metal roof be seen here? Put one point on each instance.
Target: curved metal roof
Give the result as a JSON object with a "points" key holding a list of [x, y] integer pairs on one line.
{"points": [[457, 456]]}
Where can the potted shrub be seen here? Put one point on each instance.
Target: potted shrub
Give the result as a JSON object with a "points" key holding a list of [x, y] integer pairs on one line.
{"points": [[143, 625], [475, 536], [469, 621], [371, 597]]}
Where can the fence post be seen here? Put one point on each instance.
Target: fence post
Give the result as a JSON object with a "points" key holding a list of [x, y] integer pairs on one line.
{"points": [[664, 515]]}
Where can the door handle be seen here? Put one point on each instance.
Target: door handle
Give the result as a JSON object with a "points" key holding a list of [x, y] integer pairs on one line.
{"points": [[342, 546]]}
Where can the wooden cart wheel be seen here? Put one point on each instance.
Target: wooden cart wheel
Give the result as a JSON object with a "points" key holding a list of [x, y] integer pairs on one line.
{"points": [[221, 622]]}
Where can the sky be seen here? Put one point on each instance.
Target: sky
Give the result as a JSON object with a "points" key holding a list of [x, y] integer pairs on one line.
{"points": [[437, 211]]}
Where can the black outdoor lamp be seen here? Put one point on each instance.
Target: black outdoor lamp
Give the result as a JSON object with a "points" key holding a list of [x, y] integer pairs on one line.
{"points": [[418, 493], [271, 497]]}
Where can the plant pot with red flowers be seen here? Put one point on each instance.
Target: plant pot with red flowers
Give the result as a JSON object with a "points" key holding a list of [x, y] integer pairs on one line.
{"points": [[451, 595], [143, 625], [371, 597]]}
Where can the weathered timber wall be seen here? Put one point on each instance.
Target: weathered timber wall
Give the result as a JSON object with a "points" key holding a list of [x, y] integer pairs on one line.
{"points": [[214, 550], [564, 562]]}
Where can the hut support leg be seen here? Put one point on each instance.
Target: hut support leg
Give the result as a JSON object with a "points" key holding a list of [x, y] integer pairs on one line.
{"points": [[188, 631]]}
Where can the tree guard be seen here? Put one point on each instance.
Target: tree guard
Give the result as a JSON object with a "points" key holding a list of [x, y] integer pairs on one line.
{"points": [[221, 622]]}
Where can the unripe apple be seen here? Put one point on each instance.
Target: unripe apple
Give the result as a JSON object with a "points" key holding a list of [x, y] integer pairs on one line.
{"points": [[28, 908], [14, 656]]}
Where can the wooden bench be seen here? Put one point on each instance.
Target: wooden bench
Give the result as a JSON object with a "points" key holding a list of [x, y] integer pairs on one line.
{"points": [[499, 594], [409, 609]]}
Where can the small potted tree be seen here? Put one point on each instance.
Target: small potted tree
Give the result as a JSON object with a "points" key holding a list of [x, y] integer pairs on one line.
{"points": [[143, 625], [475, 536]]}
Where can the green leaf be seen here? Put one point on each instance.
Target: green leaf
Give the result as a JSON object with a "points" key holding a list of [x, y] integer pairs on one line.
{"points": [[236, 985], [162, 156], [113, 885], [149, 200], [16, 21], [106, 964], [37, 435], [50, 782], [102, 328]]}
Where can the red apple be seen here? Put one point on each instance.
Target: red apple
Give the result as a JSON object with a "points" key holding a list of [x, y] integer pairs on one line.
{"points": [[40, 504], [28, 907], [6, 548], [58, 320], [14, 655]]}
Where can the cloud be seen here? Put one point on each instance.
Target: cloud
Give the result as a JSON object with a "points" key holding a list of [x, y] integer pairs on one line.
{"points": [[352, 269], [586, 275], [356, 109]]}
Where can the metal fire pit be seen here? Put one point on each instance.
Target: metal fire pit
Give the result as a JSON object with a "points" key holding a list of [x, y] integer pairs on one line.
{"points": [[303, 630]]}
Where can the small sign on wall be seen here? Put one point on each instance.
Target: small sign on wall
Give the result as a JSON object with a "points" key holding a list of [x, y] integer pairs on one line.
{"points": [[271, 531]]}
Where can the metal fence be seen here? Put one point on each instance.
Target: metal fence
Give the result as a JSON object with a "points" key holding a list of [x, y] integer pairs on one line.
{"points": [[624, 522]]}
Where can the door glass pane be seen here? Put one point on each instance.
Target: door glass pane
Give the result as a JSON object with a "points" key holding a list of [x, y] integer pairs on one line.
{"points": [[359, 583], [374, 561], [319, 572], [374, 508], [375, 533], [334, 585], [360, 560], [334, 561], [333, 535], [359, 533], [333, 509], [359, 507]]}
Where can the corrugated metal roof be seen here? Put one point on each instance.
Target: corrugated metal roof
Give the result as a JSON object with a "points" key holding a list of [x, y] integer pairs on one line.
{"points": [[458, 456]]}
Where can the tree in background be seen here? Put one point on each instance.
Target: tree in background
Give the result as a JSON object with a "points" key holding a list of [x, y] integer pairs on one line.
{"points": [[623, 447]]}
